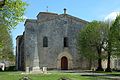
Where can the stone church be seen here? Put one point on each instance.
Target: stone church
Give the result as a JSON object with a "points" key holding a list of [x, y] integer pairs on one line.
{"points": [[50, 41]]}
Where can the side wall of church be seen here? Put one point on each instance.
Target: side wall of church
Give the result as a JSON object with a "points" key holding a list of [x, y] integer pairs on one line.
{"points": [[30, 36], [20, 53]]}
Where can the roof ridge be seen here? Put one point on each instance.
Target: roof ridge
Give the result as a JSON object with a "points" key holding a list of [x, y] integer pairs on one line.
{"points": [[69, 16]]}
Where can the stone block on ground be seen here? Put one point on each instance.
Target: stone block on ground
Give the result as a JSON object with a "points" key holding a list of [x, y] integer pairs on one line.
{"points": [[36, 70], [44, 69]]}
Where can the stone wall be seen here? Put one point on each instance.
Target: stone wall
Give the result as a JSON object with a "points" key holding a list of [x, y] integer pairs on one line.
{"points": [[55, 27], [20, 64], [56, 30], [29, 41]]}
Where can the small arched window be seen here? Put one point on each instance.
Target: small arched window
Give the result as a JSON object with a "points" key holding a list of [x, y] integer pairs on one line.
{"points": [[45, 42], [65, 41]]}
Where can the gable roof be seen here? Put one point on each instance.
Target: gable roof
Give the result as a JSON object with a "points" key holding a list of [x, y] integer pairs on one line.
{"points": [[75, 18], [56, 16], [47, 16]]}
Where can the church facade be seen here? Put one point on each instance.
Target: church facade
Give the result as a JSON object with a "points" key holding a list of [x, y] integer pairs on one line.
{"points": [[50, 41]]}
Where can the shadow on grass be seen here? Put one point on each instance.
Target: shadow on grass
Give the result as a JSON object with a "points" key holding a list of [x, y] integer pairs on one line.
{"points": [[9, 69], [98, 77]]}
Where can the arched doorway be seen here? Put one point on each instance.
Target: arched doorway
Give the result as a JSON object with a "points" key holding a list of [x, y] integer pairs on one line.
{"points": [[69, 60], [64, 63]]}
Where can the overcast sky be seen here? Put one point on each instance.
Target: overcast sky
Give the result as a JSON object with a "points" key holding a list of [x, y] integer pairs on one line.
{"points": [[85, 9]]}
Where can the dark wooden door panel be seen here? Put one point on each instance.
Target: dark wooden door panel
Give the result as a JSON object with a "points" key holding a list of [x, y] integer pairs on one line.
{"points": [[64, 63]]}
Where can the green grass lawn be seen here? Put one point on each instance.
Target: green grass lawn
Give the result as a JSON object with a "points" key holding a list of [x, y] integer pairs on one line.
{"points": [[50, 76]]}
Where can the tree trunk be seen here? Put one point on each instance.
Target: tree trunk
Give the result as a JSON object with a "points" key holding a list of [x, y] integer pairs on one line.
{"points": [[90, 64], [108, 69], [99, 68]]}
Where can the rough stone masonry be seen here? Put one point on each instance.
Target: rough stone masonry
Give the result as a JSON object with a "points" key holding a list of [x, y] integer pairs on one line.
{"points": [[56, 36]]}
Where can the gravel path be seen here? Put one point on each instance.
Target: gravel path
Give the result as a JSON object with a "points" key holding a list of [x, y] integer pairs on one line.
{"points": [[92, 74]]}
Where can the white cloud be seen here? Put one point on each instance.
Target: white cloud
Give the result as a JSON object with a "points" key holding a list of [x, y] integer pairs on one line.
{"points": [[112, 16]]}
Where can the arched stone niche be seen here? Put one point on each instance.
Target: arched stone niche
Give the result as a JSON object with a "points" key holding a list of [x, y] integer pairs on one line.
{"points": [[69, 58]]}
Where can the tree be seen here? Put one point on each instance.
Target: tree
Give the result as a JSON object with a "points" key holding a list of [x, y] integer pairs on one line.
{"points": [[108, 47], [6, 51], [85, 50], [91, 41], [12, 13], [113, 41], [115, 36], [3, 33]]}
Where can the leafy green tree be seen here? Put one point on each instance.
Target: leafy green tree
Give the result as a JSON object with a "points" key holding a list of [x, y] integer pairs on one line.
{"points": [[108, 47], [12, 13], [91, 41], [113, 41], [3, 33], [115, 36], [6, 51]]}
